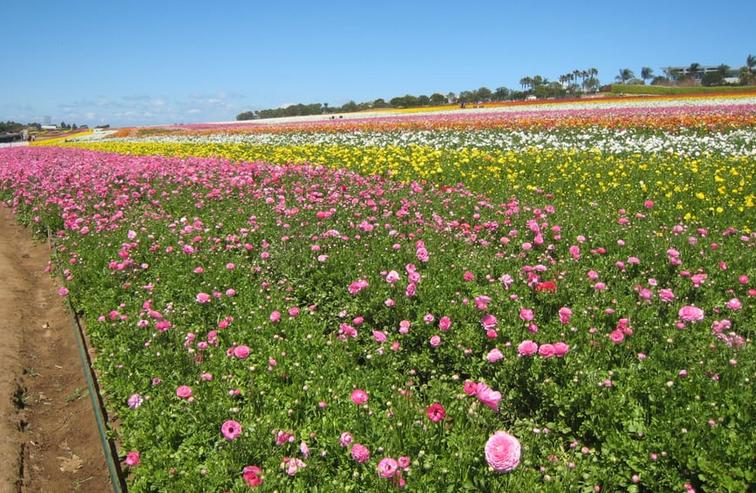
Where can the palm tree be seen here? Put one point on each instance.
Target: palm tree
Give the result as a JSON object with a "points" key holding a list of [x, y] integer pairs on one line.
{"points": [[647, 73], [525, 82], [625, 74], [693, 69], [751, 62]]}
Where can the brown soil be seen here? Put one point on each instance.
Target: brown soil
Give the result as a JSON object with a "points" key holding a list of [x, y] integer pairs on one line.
{"points": [[48, 435]]}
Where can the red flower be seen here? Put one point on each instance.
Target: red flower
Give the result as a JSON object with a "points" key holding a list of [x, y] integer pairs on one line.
{"points": [[436, 412], [546, 287]]}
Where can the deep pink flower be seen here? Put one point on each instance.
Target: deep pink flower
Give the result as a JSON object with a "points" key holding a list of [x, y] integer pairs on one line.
{"points": [[241, 352], [546, 350], [203, 298], [133, 459], [252, 475], [359, 397], [691, 314], [436, 412], [488, 397]]}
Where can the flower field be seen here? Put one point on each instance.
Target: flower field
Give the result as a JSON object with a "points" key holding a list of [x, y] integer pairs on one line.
{"points": [[544, 300]]}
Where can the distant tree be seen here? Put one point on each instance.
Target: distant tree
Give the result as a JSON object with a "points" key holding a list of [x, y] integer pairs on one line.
{"points": [[451, 97], [466, 97], [437, 98], [647, 73], [349, 107], [397, 102], [247, 115], [423, 100], [660, 80], [501, 94], [693, 70], [625, 74], [483, 94], [74, 127], [380, 103], [712, 79]]}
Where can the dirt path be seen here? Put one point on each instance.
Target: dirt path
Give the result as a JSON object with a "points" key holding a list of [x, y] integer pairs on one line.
{"points": [[48, 435]]}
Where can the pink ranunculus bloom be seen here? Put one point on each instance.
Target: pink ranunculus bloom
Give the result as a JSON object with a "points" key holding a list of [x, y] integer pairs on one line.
{"points": [[565, 313], [444, 323], [471, 388], [387, 467], [392, 277], [360, 453], [357, 286], [435, 341], [436, 412], [502, 452], [345, 439], [546, 350], [252, 475], [690, 314], [359, 397], [275, 316], [231, 429], [561, 349], [734, 304], [617, 336], [203, 298], [488, 397], [526, 314], [379, 336], [134, 401], [184, 392], [494, 355], [488, 321], [404, 462], [527, 348], [241, 352], [133, 459], [63, 292], [666, 295]]}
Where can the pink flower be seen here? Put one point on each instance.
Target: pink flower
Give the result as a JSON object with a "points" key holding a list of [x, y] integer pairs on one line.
{"points": [[275, 316], [345, 439], [527, 348], [392, 277], [561, 349], [734, 304], [502, 452], [360, 453], [203, 298], [435, 341], [133, 459], [471, 388], [565, 313], [436, 412], [488, 321], [252, 475], [357, 286], [134, 401], [359, 397], [488, 397], [546, 350], [379, 336], [526, 315], [63, 292], [444, 323], [241, 352], [404, 462], [387, 467], [617, 336], [231, 429], [494, 355], [184, 392], [691, 314]]}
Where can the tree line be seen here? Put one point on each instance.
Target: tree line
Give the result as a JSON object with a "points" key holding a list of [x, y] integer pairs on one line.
{"points": [[693, 74], [571, 84]]}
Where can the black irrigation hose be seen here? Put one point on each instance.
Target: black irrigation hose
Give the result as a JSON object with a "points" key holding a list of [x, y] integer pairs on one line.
{"points": [[117, 478]]}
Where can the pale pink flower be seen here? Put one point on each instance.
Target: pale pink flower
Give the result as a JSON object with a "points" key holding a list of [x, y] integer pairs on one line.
{"points": [[494, 355], [691, 314], [387, 467], [527, 348], [345, 439], [502, 452], [487, 396], [184, 392], [203, 298], [435, 341]]}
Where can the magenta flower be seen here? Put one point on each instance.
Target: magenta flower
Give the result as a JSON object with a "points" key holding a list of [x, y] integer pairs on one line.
{"points": [[184, 392], [527, 348], [252, 475]]}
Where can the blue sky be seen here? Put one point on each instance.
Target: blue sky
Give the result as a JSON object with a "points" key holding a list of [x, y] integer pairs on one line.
{"points": [[148, 62]]}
